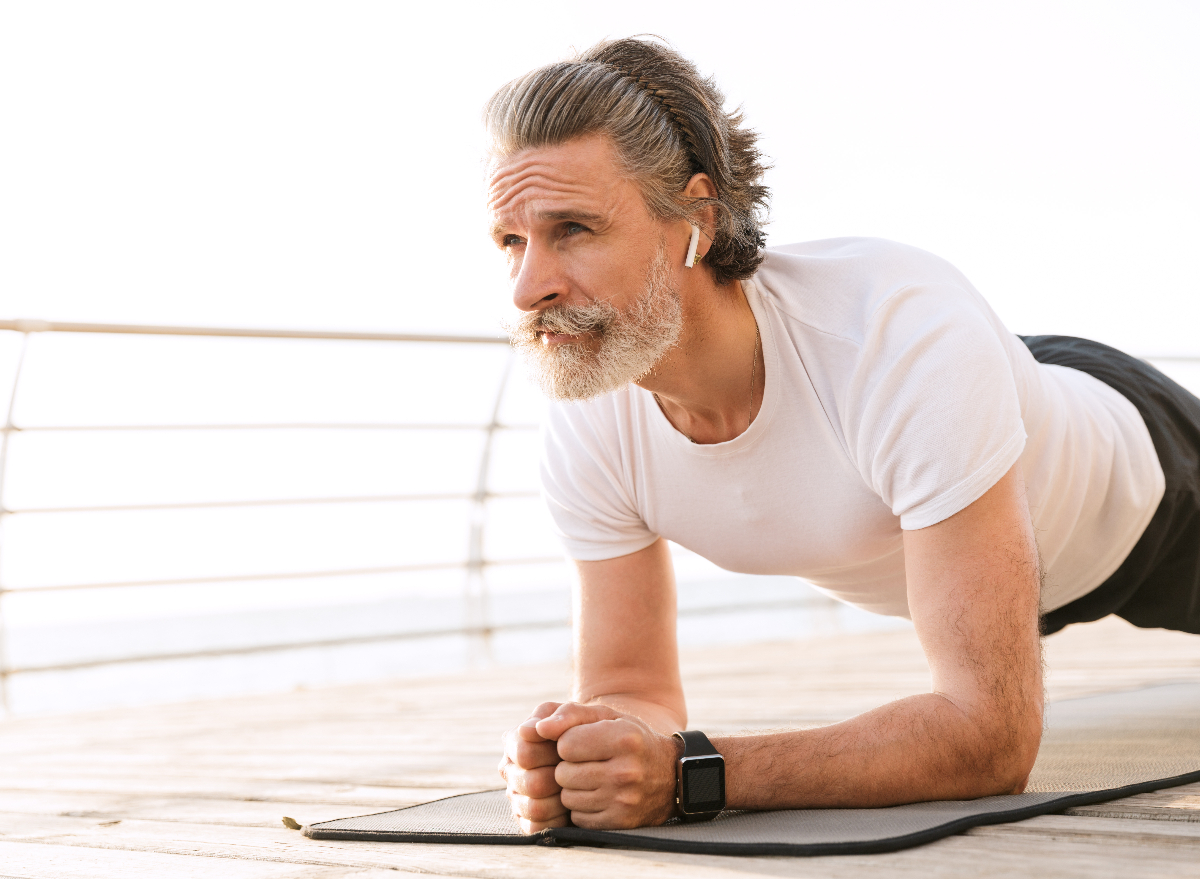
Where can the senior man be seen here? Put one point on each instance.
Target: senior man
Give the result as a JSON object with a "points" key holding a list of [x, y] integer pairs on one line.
{"points": [[848, 411]]}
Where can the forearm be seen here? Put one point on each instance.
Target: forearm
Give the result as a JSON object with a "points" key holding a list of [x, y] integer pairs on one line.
{"points": [[921, 748], [625, 651]]}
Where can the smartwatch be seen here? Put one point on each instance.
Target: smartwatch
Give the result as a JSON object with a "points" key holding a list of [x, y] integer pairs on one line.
{"points": [[699, 778]]}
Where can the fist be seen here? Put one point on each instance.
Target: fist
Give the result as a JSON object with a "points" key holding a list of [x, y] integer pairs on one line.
{"points": [[612, 770], [528, 768]]}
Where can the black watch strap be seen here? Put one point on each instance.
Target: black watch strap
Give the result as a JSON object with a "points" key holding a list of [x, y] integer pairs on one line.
{"points": [[700, 778], [695, 743]]}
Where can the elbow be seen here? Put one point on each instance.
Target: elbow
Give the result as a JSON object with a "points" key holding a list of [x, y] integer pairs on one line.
{"points": [[1010, 757], [1012, 776], [999, 751]]}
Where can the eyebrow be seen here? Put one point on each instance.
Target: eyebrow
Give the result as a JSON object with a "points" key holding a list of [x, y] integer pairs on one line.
{"points": [[578, 216], [556, 217]]}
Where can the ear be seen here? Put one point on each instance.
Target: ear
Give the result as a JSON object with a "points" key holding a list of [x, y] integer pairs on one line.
{"points": [[700, 186]]}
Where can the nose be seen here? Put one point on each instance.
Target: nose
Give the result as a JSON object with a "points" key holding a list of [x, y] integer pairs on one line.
{"points": [[540, 280]]}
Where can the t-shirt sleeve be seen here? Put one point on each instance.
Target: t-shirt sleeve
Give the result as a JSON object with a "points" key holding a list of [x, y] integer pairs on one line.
{"points": [[933, 417], [585, 487]]}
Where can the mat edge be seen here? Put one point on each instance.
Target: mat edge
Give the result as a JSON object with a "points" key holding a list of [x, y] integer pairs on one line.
{"points": [[619, 839], [314, 831], [430, 838], [877, 846]]}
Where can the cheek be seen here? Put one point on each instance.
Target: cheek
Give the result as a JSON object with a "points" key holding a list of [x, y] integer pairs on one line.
{"points": [[610, 277]]}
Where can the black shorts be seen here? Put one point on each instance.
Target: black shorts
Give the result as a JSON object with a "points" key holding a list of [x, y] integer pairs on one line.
{"points": [[1158, 584]]}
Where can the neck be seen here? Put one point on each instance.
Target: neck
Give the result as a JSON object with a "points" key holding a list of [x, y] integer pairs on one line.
{"points": [[710, 385]]}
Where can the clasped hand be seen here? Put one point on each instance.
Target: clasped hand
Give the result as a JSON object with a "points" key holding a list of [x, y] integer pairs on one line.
{"points": [[590, 766]]}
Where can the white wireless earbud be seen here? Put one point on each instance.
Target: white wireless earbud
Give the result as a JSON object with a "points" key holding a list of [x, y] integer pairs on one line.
{"points": [[690, 259]]}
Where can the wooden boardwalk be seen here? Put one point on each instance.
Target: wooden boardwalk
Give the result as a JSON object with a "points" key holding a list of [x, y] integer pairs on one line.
{"points": [[199, 789]]}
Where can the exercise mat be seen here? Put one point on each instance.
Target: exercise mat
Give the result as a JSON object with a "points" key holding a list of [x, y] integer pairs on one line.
{"points": [[1096, 748]]}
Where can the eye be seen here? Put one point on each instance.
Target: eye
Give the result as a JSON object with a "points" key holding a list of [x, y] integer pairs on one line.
{"points": [[511, 241], [575, 228]]}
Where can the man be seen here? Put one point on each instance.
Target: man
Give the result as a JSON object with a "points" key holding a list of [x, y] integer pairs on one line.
{"points": [[848, 411]]}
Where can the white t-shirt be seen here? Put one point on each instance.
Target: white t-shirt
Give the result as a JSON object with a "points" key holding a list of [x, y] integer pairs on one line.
{"points": [[894, 398]]}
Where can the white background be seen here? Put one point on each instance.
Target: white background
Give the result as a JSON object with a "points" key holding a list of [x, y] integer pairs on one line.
{"points": [[317, 164]]}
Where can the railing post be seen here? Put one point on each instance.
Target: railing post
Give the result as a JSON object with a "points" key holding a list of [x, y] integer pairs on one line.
{"points": [[5, 432], [478, 612]]}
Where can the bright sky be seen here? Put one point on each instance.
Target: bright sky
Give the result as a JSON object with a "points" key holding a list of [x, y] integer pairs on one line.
{"points": [[317, 164]]}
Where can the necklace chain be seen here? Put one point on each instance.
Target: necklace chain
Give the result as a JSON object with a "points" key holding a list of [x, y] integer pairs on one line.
{"points": [[753, 377]]}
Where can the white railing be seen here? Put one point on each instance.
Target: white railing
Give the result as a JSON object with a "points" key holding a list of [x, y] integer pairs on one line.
{"points": [[475, 560], [473, 563]]}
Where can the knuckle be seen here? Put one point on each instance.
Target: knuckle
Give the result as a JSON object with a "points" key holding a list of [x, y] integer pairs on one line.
{"points": [[568, 748], [571, 799], [543, 784], [531, 784], [522, 805], [534, 755], [515, 779], [628, 773], [544, 809], [563, 773], [627, 799], [629, 738], [525, 754]]}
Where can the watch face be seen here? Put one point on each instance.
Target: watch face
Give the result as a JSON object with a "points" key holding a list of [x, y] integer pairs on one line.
{"points": [[703, 787]]}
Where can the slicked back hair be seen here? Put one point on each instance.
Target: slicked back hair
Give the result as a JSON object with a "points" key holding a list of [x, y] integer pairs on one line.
{"points": [[667, 124]]}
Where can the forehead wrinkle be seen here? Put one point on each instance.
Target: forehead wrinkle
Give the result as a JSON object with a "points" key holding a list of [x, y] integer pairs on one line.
{"points": [[548, 184], [506, 173], [527, 160], [509, 186], [534, 181]]}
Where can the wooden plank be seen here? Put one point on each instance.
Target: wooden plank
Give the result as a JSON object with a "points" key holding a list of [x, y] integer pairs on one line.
{"points": [[250, 789], [951, 858], [243, 813], [24, 861], [1012, 855], [1130, 831], [1173, 804]]}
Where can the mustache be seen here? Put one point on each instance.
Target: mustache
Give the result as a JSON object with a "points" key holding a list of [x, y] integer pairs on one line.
{"points": [[571, 320]]}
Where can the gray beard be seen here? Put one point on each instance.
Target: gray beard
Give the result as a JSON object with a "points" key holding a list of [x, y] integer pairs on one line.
{"points": [[627, 344]]}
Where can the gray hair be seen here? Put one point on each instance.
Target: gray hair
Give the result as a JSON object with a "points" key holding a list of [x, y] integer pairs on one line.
{"points": [[667, 124]]}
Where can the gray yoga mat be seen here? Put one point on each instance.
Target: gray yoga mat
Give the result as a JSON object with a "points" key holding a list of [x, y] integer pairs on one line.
{"points": [[1095, 749]]}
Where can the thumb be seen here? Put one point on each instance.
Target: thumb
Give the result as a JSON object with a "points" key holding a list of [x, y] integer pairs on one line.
{"points": [[528, 730], [571, 714]]}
